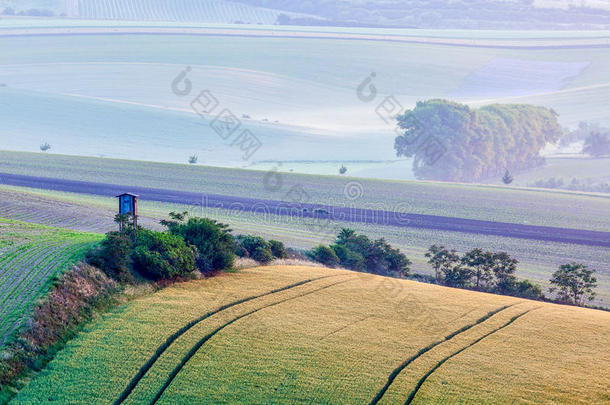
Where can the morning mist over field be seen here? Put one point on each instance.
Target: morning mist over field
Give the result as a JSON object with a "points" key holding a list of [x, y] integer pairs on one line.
{"points": [[313, 202]]}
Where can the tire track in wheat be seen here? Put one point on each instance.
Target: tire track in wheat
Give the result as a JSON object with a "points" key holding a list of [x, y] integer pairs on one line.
{"points": [[440, 363], [404, 365], [207, 337], [171, 339]]}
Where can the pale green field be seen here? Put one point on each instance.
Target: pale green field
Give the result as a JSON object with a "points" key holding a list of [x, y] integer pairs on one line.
{"points": [[72, 84], [330, 336]]}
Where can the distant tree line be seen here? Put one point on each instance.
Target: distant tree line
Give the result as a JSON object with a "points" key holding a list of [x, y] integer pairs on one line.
{"points": [[498, 14], [595, 138], [32, 12], [477, 143]]}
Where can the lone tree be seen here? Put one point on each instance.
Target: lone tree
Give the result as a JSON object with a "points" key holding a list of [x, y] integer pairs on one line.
{"points": [[45, 147], [508, 178], [342, 169], [193, 159], [574, 283]]}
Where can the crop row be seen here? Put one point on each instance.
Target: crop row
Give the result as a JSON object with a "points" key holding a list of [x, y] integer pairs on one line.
{"points": [[28, 268], [178, 10]]}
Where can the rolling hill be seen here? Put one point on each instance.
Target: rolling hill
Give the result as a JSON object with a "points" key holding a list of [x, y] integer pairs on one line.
{"points": [[310, 335]]}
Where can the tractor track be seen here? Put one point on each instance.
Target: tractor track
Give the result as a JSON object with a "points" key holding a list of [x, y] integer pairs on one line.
{"points": [[171, 339], [207, 337], [440, 363], [426, 349]]}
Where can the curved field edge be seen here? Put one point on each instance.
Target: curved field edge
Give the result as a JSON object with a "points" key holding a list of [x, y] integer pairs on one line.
{"points": [[32, 257], [335, 346]]}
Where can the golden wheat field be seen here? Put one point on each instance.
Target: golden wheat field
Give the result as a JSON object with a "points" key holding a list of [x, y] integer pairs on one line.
{"points": [[302, 335]]}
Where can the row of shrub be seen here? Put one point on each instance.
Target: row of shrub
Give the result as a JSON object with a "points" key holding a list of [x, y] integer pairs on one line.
{"points": [[187, 246], [358, 252], [494, 272], [481, 270]]}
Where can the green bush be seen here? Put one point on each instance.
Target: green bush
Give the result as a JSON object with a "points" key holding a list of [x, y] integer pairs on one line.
{"points": [[262, 255], [325, 255], [213, 240], [527, 289], [349, 258], [161, 255], [113, 257], [256, 248], [278, 250]]}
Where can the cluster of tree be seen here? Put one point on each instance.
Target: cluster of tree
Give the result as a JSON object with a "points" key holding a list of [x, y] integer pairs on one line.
{"points": [[495, 273], [185, 247], [472, 14], [259, 249], [481, 270], [453, 142], [358, 252]]}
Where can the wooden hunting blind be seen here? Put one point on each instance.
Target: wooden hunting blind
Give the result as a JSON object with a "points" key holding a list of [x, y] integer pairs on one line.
{"points": [[128, 204]]}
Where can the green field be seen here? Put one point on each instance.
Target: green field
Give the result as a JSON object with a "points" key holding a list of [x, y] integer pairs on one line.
{"points": [[31, 256], [73, 83], [538, 260], [503, 204], [307, 335]]}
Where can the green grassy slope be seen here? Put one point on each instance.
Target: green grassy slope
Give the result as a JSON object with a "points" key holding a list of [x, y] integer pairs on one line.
{"points": [[31, 256], [286, 335]]}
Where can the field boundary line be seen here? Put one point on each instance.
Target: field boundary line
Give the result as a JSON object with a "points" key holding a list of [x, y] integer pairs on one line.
{"points": [[426, 349], [440, 363], [172, 338], [207, 337]]}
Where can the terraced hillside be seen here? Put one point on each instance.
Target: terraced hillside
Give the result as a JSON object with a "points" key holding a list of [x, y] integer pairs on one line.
{"points": [[30, 257], [311, 335]]}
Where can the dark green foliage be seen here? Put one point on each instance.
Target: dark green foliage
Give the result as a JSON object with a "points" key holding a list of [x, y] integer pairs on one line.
{"points": [[476, 144], [348, 258], [325, 255], [342, 169], [458, 276], [527, 289], [161, 255], [487, 271], [504, 267], [262, 255], [358, 252], [574, 283], [255, 247], [441, 260], [213, 240], [113, 256], [278, 250], [481, 265]]}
